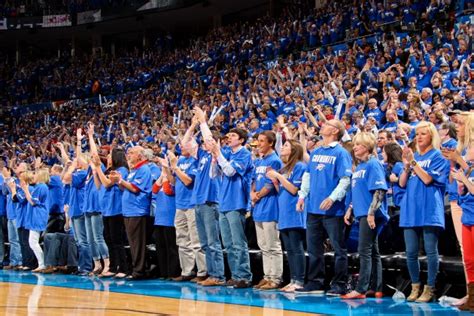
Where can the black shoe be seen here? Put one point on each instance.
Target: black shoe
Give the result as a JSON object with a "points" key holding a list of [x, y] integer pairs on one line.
{"points": [[336, 290], [242, 284]]}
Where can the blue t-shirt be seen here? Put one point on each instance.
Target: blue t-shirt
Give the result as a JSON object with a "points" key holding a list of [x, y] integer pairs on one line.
{"points": [[91, 194], [467, 204], [375, 113], [138, 204], [266, 209], [205, 189], [423, 205], [165, 210], [391, 127], [327, 165], [111, 198], [10, 206], [76, 193], [21, 207], [38, 214], [288, 217], [451, 187], [184, 192], [234, 191], [55, 202], [397, 191], [155, 171], [368, 177]]}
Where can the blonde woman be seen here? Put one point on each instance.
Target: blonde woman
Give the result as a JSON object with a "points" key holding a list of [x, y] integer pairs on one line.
{"points": [[37, 212], [462, 160], [369, 204], [422, 207], [464, 124]]}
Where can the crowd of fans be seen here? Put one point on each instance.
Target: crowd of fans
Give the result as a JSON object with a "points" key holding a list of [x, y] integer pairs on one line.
{"points": [[284, 128]]}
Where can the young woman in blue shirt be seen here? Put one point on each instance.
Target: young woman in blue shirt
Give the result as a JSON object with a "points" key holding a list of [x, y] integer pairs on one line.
{"points": [[369, 206], [422, 207], [291, 222]]}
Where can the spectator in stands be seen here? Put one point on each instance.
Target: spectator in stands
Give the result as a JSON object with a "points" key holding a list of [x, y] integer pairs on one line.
{"points": [[369, 205], [265, 212], [136, 207], [291, 222], [15, 258], [110, 197], [234, 169], [328, 174], [165, 232], [55, 203], [421, 209], [37, 213], [464, 178], [187, 239], [205, 197]]}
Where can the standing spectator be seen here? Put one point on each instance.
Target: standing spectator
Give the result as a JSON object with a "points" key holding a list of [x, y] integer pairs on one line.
{"points": [[265, 212], [207, 208], [422, 207], [55, 203], [187, 239], [110, 197], [165, 232], [234, 170], [37, 213], [291, 222], [136, 207], [370, 208], [15, 248], [327, 180]]}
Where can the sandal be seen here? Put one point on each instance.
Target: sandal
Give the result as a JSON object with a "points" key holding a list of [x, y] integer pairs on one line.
{"points": [[107, 274], [120, 275]]}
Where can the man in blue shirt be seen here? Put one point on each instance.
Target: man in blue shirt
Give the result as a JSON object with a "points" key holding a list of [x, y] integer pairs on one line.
{"points": [[265, 213], [326, 180], [234, 170], [136, 200], [207, 208], [187, 239]]}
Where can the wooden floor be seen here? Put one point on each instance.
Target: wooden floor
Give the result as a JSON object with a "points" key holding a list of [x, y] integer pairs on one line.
{"points": [[26, 299]]}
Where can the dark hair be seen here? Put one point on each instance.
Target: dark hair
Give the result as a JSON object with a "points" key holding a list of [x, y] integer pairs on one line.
{"points": [[451, 129], [270, 136], [118, 158], [296, 155], [393, 152], [389, 134], [242, 134]]}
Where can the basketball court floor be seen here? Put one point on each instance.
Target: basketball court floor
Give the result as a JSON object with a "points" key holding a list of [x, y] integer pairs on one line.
{"points": [[25, 293]]}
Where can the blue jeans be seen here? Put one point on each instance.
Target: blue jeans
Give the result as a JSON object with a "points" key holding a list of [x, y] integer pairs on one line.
{"points": [[207, 223], [293, 239], [235, 242], [334, 227], [370, 271], [85, 257], [59, 250], [15, 249], [95, 235], [430, 238]]}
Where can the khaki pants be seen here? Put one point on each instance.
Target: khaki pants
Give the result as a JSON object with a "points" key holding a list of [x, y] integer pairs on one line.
{"points": [[268, 239], [189, 247]]}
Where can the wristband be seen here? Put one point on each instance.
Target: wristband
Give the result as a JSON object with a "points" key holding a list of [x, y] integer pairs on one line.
{"points": [[120, 182]]}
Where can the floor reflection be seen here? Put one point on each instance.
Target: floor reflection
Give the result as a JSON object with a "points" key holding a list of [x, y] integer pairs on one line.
{"points": [[192, 298]]}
